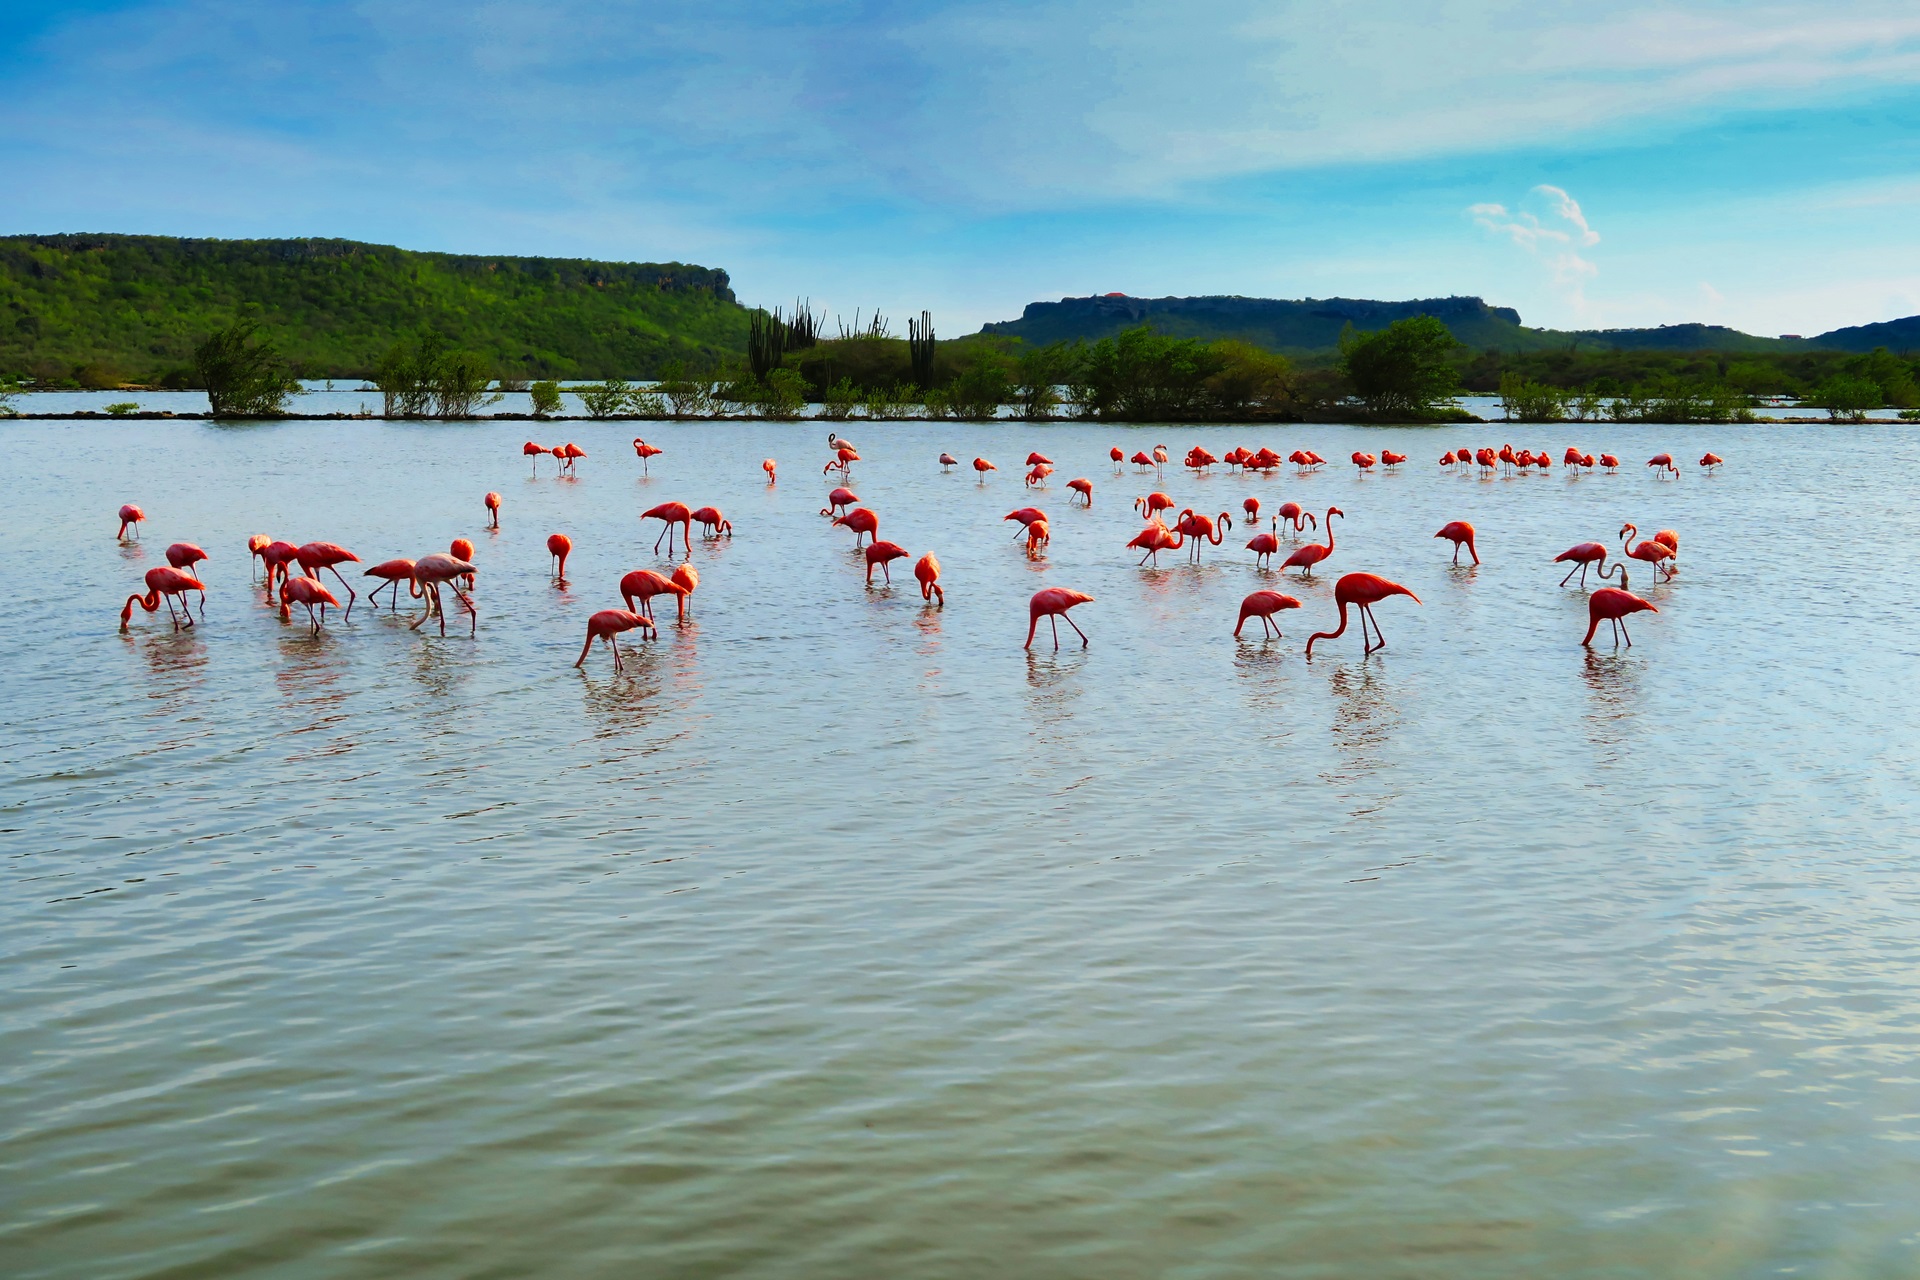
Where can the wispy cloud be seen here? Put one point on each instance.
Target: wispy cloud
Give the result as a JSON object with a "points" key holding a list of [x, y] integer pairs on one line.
{"points": [[1554, 236]]}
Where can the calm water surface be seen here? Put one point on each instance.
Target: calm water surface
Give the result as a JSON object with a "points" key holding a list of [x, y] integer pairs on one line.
{"points": [[840, 937]]}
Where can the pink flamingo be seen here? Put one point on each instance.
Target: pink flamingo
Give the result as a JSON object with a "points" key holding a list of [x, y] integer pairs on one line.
{"points": [[769, 467], [838, 501], [643, 585], [1084, 488], [1314, 552], [183, 556], [536, 452], [1252, 507], [1153, 504], [1026, 516], [1583, 556], [1154, 539], [1263, 605], [670, 514], [607, 625], [1199, 529], [559, 546], [1710, 461], [1291, 511], [1118, 456], [163, 583], [573, 453], [1363, 590], [430, 573], [1039, 460], [863, 522], [883, 554], [276, 556], [982, 466], [1038, 476], [255, 545], [493, 510], [647, 452], [306, 591], [1052, 604], [1613, 604], [1389, 459], [1460, 533], [1663, 465], [1263, 545], [927, 571], [315, 556], [392, 573], [947, 460], [712, 523], [130, 517], [1651, 551]]}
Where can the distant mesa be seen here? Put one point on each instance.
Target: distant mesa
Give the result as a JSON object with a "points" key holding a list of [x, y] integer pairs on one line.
{"points": [[1312, 326]]}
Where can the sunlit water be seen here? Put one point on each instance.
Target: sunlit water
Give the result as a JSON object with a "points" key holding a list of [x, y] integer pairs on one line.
{"points": [[841, 937]]}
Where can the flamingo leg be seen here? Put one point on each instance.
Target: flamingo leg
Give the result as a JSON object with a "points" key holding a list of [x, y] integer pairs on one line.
{"points": [[1077, 631], [1581, 569], [473, 628], [1053, 620], [656, 541], [348, 585], [1622, 623], [615, 642]]}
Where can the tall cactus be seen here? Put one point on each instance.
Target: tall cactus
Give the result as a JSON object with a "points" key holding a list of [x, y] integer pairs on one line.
{"points": [[766, 342], [920, 348]]}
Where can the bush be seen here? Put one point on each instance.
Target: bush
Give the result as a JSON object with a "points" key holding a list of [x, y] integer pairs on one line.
{"points": [[784, 394], [1525, 401], [123, 408], [685, 397], [841, 400], [1403, 370], [243, 378], [1847, 397], [546, 398], [981, 390], [646, 402], [604, 399]]}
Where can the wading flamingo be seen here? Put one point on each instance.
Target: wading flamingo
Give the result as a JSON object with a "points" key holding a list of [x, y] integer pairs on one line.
{"points": [[277, 556], [130, 517], [1263, 605], [255, 545], [1118, 457], [536, 452], [1670, 540], [685, 577], [838, 501], [1038, 535], [1263, 545], [493, 510], [572, 453], [1663, 465], [1141, 458], [559, 546], [1609, 463], [1154, 539], [1052, 604], [1291, 511], [432, 572], [948, 461], [163, 584], [461, 549], [1252, 507], [1153, 504], [315, 556], [1710, 461], [670, 514], [1159, 456], [1364, 461], [837, 442], [392, 573], [1314, 552], [1084, 488], [1026, 516], [184, 555], [769, 466], [645, 452], [1038, 476], [1460, 533], [1362, 590], [842, 462], [1613, 604], [307, 591], [1389, 459], [982, 466], [927, 570], [642, 585], [1584, 555], [884, 554], [607, 625], [1650, 551], [712, 523], [1199, 529], [1039, 460], [863, 522]]}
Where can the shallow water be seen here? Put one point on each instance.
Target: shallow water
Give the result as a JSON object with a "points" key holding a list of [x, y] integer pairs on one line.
{"points": [[841, 937]]}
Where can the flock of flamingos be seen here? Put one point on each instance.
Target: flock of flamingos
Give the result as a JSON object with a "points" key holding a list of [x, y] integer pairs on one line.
{"points": [[1191, 530]]}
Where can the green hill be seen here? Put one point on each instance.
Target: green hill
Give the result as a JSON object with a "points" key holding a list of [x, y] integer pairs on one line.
{"points": [[1311, 327], [111, 308]]}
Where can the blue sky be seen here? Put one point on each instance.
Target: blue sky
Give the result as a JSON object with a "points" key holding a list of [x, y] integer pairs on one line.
{"points": [[1591, 164]]}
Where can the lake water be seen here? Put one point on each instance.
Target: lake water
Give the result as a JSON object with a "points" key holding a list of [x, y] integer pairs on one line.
{"points": [[841, 937]]}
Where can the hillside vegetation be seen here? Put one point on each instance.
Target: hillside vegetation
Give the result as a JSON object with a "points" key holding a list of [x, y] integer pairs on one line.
{"points": [[106, 309]]}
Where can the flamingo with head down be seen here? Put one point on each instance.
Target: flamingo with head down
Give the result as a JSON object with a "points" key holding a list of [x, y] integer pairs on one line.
{"points": [[1362, 590], [1460, 533], [607, 625], [1613, 604], [130, 518], [927, 571], [670, 514], [392, 573], [1263, 605], [1082, 486], [163, 584], [1052, 604]]}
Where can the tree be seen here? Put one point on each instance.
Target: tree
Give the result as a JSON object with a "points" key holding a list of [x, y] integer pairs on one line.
{"points": [[459, 385], [841, 400], [244, 378], [546, 398], [604, 399], [1403, 370], [1847, 397], [784, 394], [685, 397], [1248, 379], [1523, 400], [1038, 377], [982, 388]]}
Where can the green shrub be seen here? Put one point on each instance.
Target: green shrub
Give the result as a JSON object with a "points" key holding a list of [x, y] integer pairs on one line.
{"points": [[546, 398]]}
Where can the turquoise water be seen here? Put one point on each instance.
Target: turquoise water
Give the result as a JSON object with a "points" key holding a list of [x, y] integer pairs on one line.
{"points": [[841, 937]]}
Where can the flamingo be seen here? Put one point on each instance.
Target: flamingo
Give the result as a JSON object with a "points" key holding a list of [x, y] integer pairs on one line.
{"points": [[1199, 459], [1459, 532], [1584, 555], [315, 556], [1155, 538], [1572, 458], [559, 546], [1710, 461], [1650, 551], [130, 517], [163, 583], [1586, 462], [307, 591], [927, 570], [183, 556], [1153, 504], [1198, 529], [842, 462], [863, 522], [1038, 476], [1039, 460], [255, 545], [607, 625], [947, 460], [646, 452], [1265, 460], [392, 573], [1663, 462], [1608, 463], [1613, 604], [1141, 458], [1252, 507], [1363, 590], [1390, 459], [534, 451], [769, 467], [1264, 545], [712, 523], [493, 510], [1118, 457], [1159, 460], [461, 549], [432, 572], [1301, 519], [883, 554], [573, 453], [1447, 459], [1052, 604], [1314, 552], [277, 556], [1486, 460], [1364, 461], [838, 501], [644, 584], [1084, 488], [1263, 605], [982, 466], [837, 443], [1038, 535], [670, 514], [1026, 516], [1670, 540], [686, 577]]}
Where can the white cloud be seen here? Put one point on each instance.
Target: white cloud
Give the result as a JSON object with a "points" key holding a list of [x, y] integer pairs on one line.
{"points": [[1553, 236]]}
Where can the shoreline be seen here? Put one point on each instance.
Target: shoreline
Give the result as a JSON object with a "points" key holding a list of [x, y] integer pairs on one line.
{"points": [[168, 415]]}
